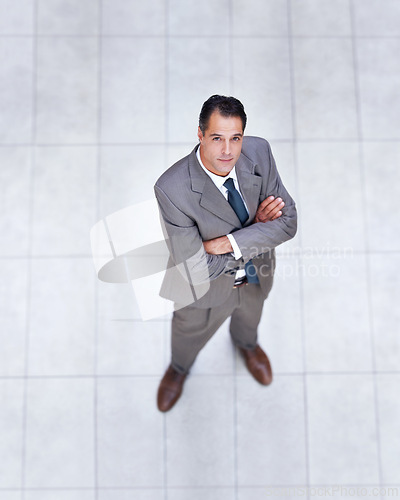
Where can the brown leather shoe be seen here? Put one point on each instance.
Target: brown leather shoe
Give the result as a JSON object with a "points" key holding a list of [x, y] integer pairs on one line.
{"points": [[258, 364], [170, 389]]}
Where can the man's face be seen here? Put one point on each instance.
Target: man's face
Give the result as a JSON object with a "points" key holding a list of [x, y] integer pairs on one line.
{"points": [[221, 144]]}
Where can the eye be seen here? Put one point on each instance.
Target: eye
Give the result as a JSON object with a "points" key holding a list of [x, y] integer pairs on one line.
{"points": [[216, 138], [236, 139]]}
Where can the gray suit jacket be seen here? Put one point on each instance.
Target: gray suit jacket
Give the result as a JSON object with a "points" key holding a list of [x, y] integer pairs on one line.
{"points": [[193, 210]]}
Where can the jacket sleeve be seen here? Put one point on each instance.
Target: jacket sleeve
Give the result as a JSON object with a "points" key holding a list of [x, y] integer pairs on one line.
{"points": [[186, 245], [262, 237]]}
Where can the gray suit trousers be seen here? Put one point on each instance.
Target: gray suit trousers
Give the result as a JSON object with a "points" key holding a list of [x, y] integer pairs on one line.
{"points": [[193, 327]]}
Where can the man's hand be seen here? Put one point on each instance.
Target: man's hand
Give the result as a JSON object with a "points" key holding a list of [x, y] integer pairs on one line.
{"points": [[269, 209], [218, 246]]}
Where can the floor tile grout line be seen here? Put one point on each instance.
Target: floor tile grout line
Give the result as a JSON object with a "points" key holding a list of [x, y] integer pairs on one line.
{"points": [[151, 144], [359, 124], [235, 426], [166, 144], [231, 82], [25, 376], [367, 239], [96, 281], [196, 375], [394, 486], [235, 364], [199, 36], [190, 487], [301, 281], [24, 438], [318, 252]]}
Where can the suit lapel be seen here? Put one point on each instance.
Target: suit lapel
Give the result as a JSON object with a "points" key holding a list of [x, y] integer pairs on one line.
{"points": [[249, 184], [214, 201], [211, 197]]}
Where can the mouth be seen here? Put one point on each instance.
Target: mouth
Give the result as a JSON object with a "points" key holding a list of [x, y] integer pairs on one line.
{"points": [[225, 160]]}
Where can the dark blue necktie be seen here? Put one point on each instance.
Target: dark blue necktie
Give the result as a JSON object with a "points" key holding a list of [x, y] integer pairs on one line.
{"points": [[236, 202]]}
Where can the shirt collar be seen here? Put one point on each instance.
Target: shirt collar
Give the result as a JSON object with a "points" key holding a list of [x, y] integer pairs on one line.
{"points": [[217, 179]]}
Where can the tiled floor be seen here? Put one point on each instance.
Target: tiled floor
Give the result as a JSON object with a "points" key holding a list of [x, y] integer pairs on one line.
{"points": [[97, 98]]}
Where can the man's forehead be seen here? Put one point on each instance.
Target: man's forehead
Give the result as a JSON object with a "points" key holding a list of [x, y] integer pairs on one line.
{"points": [[224, 125]]}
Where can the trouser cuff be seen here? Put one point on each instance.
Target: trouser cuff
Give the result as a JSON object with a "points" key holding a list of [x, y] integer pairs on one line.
{"points": [[243, 345], [179, 368]]}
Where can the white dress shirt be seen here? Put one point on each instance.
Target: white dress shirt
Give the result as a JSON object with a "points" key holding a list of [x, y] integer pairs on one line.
{"points": [[219, 180]]}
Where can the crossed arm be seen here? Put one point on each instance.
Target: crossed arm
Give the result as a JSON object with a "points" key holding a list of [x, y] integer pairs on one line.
{"points": [[268, 210], [214, 257]]}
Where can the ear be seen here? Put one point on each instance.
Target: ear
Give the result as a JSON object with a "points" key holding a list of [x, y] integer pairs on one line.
{"points": [[199, 134]]}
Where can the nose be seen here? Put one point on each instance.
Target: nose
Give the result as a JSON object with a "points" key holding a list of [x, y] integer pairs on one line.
{"points": [[226, 147]]}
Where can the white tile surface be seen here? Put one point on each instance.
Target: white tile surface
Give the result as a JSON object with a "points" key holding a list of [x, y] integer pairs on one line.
{"points": [[201, 494], [321, 18], [61, 333], [11, 438], [16, 18], [381, 160], [262, 83], [117, 302], [131, 348], [10, 495], [136, 494], [67, 17], [151, 93], [15, 182], [60, 433], [279, 331], [130, 433], [325, 107], [389, 423], [177, 152], [200, 434], [341, 430], [133, 101], [133, 17], [64, 207], [59, 494], [331, 207], [16, 82], [128, 174], [379, 80], [196, 70], [271, 432], [385, 293], [217, 356], [66, 90], [337, 330], [372, 18], [188, 17], [259, 18], [13, 316], [283, 153], [281, 492]]}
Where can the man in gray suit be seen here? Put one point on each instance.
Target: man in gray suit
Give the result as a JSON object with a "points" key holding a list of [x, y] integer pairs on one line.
{"points": [[223, 209]]}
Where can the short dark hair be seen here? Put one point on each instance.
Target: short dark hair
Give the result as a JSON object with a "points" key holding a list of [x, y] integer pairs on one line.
{"points": [[226, 106]]}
